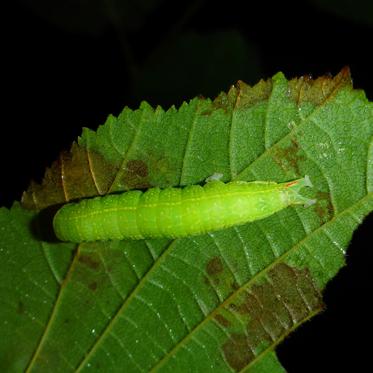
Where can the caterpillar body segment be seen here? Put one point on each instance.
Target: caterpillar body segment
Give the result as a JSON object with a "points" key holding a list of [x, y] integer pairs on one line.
{"points": [[175, 212]]}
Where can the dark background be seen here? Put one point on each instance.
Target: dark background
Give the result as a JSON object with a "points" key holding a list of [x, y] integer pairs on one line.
{"points": [[68, 64]]}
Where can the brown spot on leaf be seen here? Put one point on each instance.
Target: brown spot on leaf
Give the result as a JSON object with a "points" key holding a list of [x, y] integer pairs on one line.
{"points": [[76, 174], [323, 207], [237, 351], [219, 278], [224, 101], [317, 91], [138, 168], [89, 262], [214, 266], [220, 102], [288, 158], [222, 320], [240, 95], [135, 174], [269, 310], [284, 280], [249, 96]]}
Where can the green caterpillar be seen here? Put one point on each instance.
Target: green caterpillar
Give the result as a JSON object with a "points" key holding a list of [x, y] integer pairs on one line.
{"points": [[175, 212]]}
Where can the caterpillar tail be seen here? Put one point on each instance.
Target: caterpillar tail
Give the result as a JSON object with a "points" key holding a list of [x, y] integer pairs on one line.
{"points": [[293, 192]]}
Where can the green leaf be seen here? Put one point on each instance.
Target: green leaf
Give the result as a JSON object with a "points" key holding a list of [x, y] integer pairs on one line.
{"points": [[218, 302]]}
